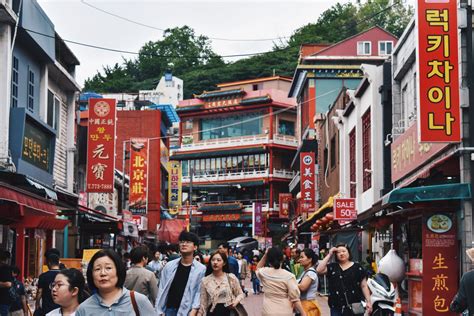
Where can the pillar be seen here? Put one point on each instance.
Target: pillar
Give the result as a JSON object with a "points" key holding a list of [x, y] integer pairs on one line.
{"points": [[20, 250]]}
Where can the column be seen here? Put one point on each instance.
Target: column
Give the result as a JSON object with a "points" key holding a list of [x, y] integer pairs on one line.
{"points": [[20, 249]]}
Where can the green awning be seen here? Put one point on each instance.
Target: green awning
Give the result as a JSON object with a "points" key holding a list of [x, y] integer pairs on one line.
{"points": [[217, 153], [453, 191]]}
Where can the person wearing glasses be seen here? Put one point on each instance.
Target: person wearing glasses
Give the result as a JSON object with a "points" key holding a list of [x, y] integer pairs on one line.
{"points": [[44, 299], [105, 276], [180, 283], [67, 291]]}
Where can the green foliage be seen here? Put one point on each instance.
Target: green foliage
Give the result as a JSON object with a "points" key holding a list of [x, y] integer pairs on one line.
{"points": [[191, 58]]}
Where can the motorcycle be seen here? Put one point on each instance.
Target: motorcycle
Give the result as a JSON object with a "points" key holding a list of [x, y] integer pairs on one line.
{"points": [[383, 295]]}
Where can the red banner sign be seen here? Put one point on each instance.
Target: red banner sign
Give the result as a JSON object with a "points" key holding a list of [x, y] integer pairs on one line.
{"points": [[440, 263], [285, 200], [439, 116], [307, 181], [345, 209], [257, 219], [101, 146], [138, 176], [221, 218]]}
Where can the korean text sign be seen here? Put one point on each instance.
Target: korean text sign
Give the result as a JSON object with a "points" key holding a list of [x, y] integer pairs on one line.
{"points": [[345, 209], [440, 262], [138, 175], [101, 146], [439, 116], [307, 181], [175, 187]]}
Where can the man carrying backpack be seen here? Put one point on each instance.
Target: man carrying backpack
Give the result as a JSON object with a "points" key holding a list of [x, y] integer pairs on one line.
{"points": [[18, 295]]}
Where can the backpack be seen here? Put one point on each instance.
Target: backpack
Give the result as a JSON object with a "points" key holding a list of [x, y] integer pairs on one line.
{"points": [[13, 291]]}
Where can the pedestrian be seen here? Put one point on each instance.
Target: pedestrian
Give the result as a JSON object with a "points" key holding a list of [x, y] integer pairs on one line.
{"points": [[347, 282], [44, 299], [286, 263], [220, 289], [308, 283], [105, 277], [173, 252], [233, 264], [157, 264], [6, 282], [464, 298], [198, 257], [180, 283], [244, 271], [138, 278], [68, 292], [18, 306], [281, 290], [253, 276], [295, 267], [127, 260]]}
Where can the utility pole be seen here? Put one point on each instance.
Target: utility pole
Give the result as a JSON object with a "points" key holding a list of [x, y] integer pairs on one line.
{"points": [[123, 173], [190, 198]]}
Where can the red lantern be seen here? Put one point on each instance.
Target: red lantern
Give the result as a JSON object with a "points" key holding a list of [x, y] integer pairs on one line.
{"points": [[319, 222], [330, 216], [325, 220]]}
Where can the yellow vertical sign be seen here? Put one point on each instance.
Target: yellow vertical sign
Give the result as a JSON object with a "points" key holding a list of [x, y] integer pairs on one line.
{"points": [[175, 187]]}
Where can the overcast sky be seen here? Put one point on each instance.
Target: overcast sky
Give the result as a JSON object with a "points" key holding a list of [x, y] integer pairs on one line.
{"points": [[243, 19]]}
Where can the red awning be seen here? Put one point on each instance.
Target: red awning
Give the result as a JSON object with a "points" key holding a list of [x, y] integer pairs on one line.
{"points": [[52, 223], [26, 199]]}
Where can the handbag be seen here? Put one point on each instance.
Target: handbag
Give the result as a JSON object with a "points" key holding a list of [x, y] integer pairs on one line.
{"points": [[357, 308], [239, 310]]}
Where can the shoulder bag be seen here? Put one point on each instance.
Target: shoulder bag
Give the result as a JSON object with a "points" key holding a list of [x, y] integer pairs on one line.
{"points": [[239, 309], [134, 303], [358, 308]]}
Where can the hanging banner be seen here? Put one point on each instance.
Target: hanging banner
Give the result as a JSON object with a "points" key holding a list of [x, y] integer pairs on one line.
{"points": [[138, 192], [307, 181], [101, 146], [257, 219], [440, 263], [174, 187], [284, 200], [345, 209], [439, 116]]}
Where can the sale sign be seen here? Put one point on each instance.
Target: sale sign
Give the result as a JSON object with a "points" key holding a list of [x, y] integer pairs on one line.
{"points": [[439, 117], [345, 209], [101, 146], [285, 200], [307, 181], [138, 192]]}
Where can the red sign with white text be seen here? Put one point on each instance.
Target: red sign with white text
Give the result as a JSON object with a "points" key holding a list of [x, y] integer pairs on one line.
{"points": [[345, 209], [307, 181], [285, 200], [439, 115], [101, 146], [138, 192]]}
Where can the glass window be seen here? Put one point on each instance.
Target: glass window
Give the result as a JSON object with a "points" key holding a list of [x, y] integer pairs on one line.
{"points": [[31, 90], [385, 47], [234, 126], [53, 110], [364, 48], [208, 164], [185, 166], [15, 70], [286, 127], [251, 160]]}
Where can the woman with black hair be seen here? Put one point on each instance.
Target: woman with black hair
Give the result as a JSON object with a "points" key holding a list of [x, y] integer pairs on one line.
{"points": [[106, 275], [67, 291], [220, 289], [308, 282], [347, 282], [281, 290]]}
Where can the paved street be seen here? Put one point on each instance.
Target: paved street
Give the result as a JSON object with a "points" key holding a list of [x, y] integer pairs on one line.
{"points": [[253, 303]]}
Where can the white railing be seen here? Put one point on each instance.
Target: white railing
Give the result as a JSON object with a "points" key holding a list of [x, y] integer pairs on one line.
{"points": [[282, 173], [227, 176], [285, 140], [225, 142]]}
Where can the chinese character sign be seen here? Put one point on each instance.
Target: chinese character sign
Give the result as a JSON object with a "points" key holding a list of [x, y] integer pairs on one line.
{"points": [[440, 263], [138, 195], [307, 181], [257, 219], [439, 116], [174, 186], [101, 146], [285, 200], [345, 209]]}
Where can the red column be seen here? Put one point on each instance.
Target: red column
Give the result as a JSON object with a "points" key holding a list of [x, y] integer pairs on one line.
{"points": [[271, 123], [271, 195], [20, 250]]}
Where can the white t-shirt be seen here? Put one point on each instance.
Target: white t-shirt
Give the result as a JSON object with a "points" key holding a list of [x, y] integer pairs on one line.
{"points": [[311, 292], [240, 265], [57, 312]]}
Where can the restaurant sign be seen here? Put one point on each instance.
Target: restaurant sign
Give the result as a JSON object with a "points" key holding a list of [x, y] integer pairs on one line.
{"points": [[285, 200], [101, 146], [36, 147], [307, 181], [439, 115], [138, 176]]}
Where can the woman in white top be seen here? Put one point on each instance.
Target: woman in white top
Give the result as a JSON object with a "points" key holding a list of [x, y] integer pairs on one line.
{"points": [[308, 282], [67, 291]]}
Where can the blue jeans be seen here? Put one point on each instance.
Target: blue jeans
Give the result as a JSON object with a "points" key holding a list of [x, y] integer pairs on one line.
{"points": [[171, 311], [335, 312], [256, 285], [4, 308]]}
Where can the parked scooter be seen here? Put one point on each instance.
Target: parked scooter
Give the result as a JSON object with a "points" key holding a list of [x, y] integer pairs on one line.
{"points": [[383, 295]]}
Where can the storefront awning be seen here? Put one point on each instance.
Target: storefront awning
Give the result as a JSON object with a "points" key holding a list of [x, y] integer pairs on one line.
{"points": [[442, 192], [26, 199], [49, 223], [325, 208]]}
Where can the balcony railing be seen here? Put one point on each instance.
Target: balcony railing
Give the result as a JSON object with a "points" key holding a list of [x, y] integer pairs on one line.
{"points": [[240, 141], [242, 175]]}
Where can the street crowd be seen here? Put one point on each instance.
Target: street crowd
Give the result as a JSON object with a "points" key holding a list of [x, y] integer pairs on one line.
{"points": [[180, 284]]}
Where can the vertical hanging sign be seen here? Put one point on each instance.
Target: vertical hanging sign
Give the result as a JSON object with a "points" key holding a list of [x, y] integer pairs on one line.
{"points": [[439, 117], [138, 176], [307, 181], [285, 200], [257, 219], [174, 188], [101, 146]]}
